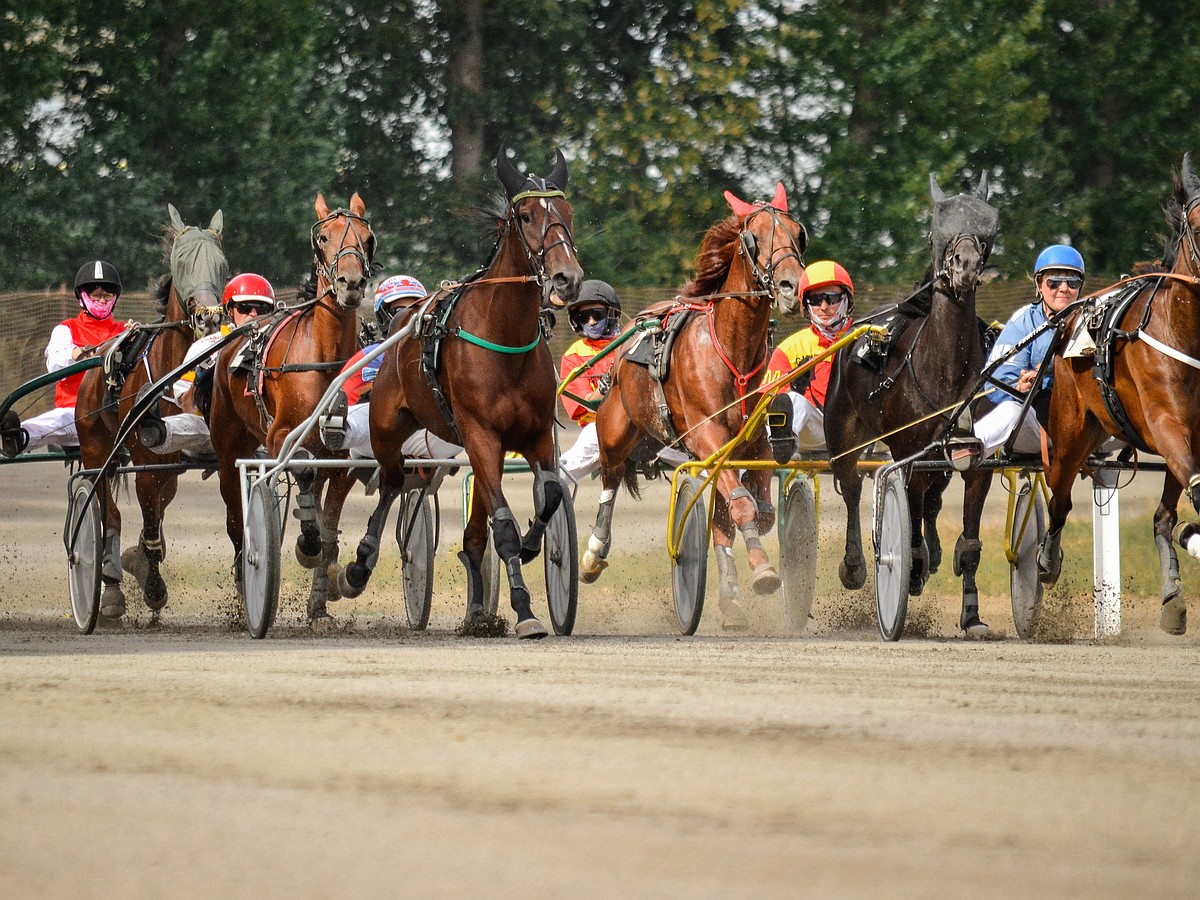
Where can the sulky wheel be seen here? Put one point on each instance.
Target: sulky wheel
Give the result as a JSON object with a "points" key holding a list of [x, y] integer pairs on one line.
{"points": [[85, 554], [689, 571], [261, 539], [798, 552], [893, 554], [414, 535], [560, 550], [1025, 539]]}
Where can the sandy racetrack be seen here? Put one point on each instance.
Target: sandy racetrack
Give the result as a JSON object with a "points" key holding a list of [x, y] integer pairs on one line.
{"points": [[184, 759]]}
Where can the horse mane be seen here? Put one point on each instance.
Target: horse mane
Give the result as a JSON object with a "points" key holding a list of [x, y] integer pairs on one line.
{"points": [[1175, 211], [714, 257], [160, 294], [490, 217]]}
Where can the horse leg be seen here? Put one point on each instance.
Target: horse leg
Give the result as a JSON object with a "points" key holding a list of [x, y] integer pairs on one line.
{"points": [[1172, 616], [1073, 434], [155, 491], [933, 508], [758, 482], [853, 568], [112, 599], [353, 578], [336, 488], [617, 437], [969, 549], [308, 542], [918, 573], [547, 496], [728, 593]]}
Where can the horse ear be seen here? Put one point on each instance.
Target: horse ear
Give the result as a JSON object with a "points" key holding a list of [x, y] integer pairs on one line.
{"points": [[1190, 181], [935, 191], [357, 206], [780, 200], [982, 191], [740, 207], [559, 176], [217, 224], [321, 207], [509, 177], [176, 218]]}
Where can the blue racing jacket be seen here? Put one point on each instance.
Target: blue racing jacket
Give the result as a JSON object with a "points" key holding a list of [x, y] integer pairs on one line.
{"points": [[1024, 322]]}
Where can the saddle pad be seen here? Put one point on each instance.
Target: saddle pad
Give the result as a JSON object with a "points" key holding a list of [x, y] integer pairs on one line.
{"points": [[641, 351]]}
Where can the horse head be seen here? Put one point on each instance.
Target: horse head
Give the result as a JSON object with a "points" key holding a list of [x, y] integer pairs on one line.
{"points": [[1188, 197], [961, 236], [343, 246], [772, 243], [541, 217], [199, 269]]}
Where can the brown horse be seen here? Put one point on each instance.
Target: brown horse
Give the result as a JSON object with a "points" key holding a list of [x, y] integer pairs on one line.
{"points": [[482, 376], [293, 358], [1143, 386], [188, 300], [889, 400], [748, 264]]}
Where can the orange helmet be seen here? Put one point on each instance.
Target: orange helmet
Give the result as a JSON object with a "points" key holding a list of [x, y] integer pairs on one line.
{"points": [[823, 274], [248, 287]]}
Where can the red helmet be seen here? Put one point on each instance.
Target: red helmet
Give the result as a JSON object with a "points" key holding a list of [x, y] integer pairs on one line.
{"points": [[248, 286]]}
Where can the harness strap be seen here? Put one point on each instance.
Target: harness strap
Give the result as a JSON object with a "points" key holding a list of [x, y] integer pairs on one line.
{"points": [[739, 379]]}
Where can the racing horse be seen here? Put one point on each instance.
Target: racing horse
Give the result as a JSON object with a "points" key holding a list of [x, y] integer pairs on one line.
{"points": [[900, 394], [188, 301], [1143, 386], [748, 264], [267, 383], [481, 375]]}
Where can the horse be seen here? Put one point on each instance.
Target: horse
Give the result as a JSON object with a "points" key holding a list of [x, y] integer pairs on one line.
{"points": [[1142, 385], [748, 264], [481, 376], [188, 301], [267, 383], [888, 400]]}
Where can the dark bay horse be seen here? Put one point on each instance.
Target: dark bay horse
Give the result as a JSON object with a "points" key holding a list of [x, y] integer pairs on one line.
{"points": [[902, 398], [481, 375], [295, 355], [1154, 377], [747, 265], [188, 300]]}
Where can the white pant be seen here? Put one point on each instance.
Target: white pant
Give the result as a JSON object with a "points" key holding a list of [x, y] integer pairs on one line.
{"points": [[808, 423], [186, 432], [56, 426], [421, 444], [584, 456], [995, 427]]}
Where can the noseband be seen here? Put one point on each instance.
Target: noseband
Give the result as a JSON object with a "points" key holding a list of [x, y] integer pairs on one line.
{"points": [[328, 271], [553, 219], [943, 269], [765, 279]]}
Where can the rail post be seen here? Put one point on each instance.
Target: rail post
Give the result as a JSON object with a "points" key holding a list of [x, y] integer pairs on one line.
{"points": [[1106, 552]]}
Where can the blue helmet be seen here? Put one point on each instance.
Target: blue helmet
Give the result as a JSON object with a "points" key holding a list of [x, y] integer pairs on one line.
{"points": [[1059, 256]]}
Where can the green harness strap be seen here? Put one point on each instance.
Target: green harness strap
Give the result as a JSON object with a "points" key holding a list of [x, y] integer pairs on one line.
{"points": [[499, 348]]}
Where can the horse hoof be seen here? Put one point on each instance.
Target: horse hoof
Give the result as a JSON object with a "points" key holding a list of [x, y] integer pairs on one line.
{"points": [[766, 579], [345, 588], [306, 560], [852, 578], [154, 593], [1172, 618], [974, 629], [590, 567], [333, 572], [112, 601], [530, 629]]}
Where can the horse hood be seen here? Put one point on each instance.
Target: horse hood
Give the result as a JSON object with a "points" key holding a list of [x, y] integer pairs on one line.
{"points": [[961, 214]]}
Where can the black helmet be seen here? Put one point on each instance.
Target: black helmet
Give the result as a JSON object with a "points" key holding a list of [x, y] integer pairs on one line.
{"points": [[595, 293], [97, 272]]}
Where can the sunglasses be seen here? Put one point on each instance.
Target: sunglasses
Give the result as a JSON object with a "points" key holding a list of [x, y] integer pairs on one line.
{"points": [[250, 308], [1057, 281], [592, 315], [829, 298]]}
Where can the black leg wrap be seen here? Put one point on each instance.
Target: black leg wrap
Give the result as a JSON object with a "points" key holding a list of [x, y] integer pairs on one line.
{"points": [[547, 495], [1169, 564], [474, 587]]}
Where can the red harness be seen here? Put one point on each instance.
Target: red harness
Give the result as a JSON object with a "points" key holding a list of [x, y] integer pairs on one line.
{"points": [[740, 380]]}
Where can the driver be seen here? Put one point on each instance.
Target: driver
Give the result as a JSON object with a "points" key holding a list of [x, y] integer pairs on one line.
{"points": [[97, 288], [595, 315]]}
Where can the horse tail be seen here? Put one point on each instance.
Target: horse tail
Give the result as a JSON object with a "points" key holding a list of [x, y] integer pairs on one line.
{"points": [[630, 480]]}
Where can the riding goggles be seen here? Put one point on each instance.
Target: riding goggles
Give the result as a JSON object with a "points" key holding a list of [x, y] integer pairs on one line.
{"points": [[1054, 282], [252, 308], [825, 298]]}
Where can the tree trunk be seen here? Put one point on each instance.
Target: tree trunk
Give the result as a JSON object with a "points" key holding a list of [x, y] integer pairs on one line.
{"points": [[466, 104]]}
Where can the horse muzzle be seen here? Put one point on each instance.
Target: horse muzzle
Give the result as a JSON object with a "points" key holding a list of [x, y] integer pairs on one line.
{"points": [[564, 287]]}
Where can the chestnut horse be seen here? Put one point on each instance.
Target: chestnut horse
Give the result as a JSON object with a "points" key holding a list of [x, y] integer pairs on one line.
{"points": [[481, 375], [292, 357], [901, 399], [1154, 382], [747, 265], [188, 300]]}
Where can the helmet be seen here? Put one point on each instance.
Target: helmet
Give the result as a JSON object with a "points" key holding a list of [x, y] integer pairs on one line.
{"points": [[248, 286], [97, 274], [824, 274], [595, 293], [1059, 256], [397, 287]]}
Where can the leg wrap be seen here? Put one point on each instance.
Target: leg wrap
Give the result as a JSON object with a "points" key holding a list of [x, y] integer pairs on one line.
{"points": [[750, 535], [603, 529], [1194, 492], [1169, 564], [727, 571], [547, 495], [111, 569], [738, 493]]}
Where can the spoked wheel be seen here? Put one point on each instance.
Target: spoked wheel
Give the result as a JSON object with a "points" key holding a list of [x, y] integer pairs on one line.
{"points": [[893, 555], [261, 538], [414, 535], [493, 574], [560, 550], [689, 572], [1025, 539], [798, 553], [85, 554]]}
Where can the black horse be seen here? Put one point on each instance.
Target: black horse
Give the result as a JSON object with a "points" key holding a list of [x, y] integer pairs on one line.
{"points": [[900, 395]]}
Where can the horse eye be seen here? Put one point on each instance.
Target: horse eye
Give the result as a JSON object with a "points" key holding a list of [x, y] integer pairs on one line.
{"points": [[526, 218]]}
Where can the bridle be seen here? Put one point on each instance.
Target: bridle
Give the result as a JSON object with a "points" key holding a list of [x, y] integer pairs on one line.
{"points": [[748, 247], [553, 219], [196, 314], [942, 271], [328, 271], [1189, 234]]}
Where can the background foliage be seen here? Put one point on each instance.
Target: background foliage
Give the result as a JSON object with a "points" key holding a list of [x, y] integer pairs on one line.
{"points": [[1078, 111]]}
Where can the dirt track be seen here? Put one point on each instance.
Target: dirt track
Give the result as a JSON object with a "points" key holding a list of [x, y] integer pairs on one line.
{"points": [[183, 759]]}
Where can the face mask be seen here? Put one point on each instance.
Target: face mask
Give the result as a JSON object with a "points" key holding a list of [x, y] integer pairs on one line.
{"points": [[97, 309], [596, 330], [829, 331]]}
